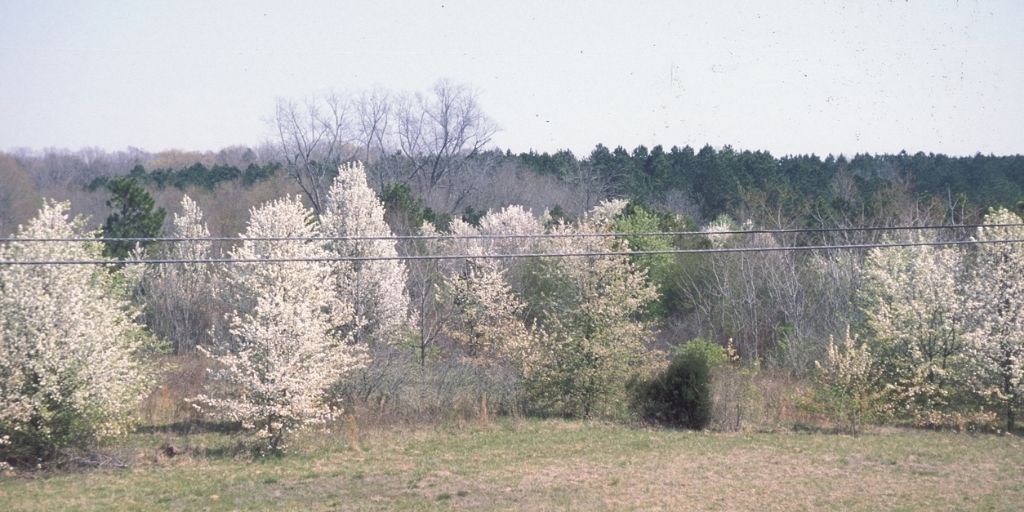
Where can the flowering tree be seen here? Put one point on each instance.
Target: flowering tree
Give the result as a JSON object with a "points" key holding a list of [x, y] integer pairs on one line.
{"points": [[475, 303], [488, 315], [587, 309], [376, 288], [487, 320], [285, 347], [179, 296], [995, 303], [911, 300], [508, 228], [848, 383], [69, 371]]}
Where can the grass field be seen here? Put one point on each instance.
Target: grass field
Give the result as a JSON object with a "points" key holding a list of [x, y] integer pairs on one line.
{"points": [[539, 465]]}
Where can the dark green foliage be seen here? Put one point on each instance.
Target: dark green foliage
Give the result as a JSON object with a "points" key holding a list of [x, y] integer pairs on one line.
{"points": [[680, 396], [256, 173], [134, 216], [798, 186], [405, 212], [195, 175], [472, 216], [561, 164]]}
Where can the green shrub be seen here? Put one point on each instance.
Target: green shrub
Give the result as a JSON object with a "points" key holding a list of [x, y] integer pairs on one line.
{"points": [[679, 396], [713, 353]]}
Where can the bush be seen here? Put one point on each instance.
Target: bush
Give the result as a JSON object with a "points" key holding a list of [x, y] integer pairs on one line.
{"points": [[680, 396], [847, 390], [715, 354]]}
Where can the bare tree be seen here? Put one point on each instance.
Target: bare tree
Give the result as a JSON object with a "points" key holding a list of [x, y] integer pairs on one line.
{"points": [[18, 195], [373, 110], [313, 138], [439, 132]]}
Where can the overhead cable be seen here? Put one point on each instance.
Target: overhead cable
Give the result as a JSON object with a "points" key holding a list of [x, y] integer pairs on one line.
{"points": [[329, 259], [507, 236]]}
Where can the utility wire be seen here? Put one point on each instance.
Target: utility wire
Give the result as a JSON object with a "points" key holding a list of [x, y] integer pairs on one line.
{"points": [[328, 259], [509, 236]]}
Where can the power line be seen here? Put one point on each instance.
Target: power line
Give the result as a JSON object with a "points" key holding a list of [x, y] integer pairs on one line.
{"points": [[329, 259], [507, 236]]}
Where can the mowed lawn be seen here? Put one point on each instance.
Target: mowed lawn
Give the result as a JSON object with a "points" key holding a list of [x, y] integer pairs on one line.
{"points": [[544, 465]]}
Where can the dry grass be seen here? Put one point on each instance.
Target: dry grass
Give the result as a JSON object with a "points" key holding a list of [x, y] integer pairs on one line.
{"points": [[539, 465]]}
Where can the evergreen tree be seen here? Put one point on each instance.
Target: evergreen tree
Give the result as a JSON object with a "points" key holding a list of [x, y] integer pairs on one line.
{"points": [[134, 216]]}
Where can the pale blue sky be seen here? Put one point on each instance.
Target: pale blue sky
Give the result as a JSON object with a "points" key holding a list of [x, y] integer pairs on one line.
{"points": [[789, 77]]}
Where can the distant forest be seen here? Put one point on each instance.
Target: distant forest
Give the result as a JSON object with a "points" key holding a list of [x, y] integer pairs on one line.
{"points": [[430, 155], [699, 185], [720, 180]]}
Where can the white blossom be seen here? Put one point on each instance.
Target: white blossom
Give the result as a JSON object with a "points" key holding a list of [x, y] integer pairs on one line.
{"points": [[488, 318], [847, 382], [912, 302], [717, 231], [995, 303], [179, 297], [69, 372], [286, 346], [512, 220], [376, 288], [487, 313], [591, 339]]}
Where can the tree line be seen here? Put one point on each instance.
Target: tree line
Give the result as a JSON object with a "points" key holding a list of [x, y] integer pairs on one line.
{"points": [[926, 336]]}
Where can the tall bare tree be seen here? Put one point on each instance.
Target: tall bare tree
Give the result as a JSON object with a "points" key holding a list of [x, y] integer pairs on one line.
{"points": [[374, 110], [313, 138], [439, 131]]}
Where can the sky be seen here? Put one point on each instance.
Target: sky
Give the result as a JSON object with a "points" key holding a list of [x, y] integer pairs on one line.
{"points": [[790, 77]]}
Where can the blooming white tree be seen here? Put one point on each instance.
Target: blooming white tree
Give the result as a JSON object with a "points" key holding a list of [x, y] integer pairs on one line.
{"points": [[912, 301], [487, 315], [848, 382], [487, 318], [588, 309], [179, 297], [287, 343], [509, 229], [717, 230], [474, 302], [376, 288], [69, 367], [995, 303]]}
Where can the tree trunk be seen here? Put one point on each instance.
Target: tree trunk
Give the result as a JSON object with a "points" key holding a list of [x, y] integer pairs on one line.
{"points": [[1011, 423], [485, 415]]}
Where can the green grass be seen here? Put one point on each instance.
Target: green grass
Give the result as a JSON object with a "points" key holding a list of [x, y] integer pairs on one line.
{"points": [[549, 465]]}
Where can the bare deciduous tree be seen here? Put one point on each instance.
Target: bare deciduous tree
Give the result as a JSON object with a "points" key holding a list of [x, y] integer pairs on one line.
{"points": [[313, 138], [437, 133], [374, 110]]}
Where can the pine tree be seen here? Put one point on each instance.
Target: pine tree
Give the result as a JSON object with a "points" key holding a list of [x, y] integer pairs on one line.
{"points": [[134, 217]]}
